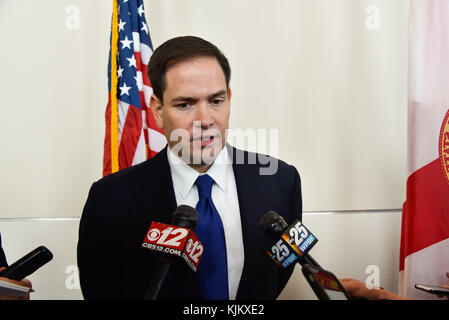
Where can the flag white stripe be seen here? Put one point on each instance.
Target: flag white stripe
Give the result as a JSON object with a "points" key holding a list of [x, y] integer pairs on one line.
{"points": [[140, 155], [136, 42], [157, 140], [139, 80], [428, 77], [417, 266], [145, 53], [147, 92], [122, 113], [424, 125]]}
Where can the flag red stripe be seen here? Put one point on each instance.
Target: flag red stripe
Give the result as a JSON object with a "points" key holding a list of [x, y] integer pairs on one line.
{"points": [[151, 122], [130, 137], [138, 60], [107, 141], [424, 220], [145, 78]]}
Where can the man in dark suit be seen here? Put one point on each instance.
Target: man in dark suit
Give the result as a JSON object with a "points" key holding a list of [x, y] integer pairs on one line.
{"points": [[3, 262], [191, 102]]}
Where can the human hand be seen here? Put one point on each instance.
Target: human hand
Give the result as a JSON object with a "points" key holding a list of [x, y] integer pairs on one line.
{"points": [[24, 282], [356, 288], [445, 285]]}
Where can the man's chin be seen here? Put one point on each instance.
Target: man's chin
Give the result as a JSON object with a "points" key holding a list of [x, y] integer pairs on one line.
{"points": [[196, 155], [206, 156]]}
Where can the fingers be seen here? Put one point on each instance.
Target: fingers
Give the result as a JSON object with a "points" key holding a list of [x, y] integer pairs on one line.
{"points": [[24, 282]]}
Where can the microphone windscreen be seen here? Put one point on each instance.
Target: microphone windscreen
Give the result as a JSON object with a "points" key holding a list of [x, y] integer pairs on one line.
{"points": [[185, 216], [272, 224]]}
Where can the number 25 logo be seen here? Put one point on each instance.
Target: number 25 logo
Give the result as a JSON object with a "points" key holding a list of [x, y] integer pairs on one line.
{"points": [[280, 251], [298, 233]]}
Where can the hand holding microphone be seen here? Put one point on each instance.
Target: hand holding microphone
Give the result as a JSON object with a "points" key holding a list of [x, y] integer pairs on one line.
{"points": [[22, 283], [15, 274]]}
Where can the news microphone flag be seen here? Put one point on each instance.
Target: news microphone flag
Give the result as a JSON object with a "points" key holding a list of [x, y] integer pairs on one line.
{"points": [[131, 134], [174, 241], [294, 243], [424, 252]]}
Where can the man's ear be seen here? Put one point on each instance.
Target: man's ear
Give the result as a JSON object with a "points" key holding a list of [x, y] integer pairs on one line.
{"points": [[156, 107], [229, 93]]}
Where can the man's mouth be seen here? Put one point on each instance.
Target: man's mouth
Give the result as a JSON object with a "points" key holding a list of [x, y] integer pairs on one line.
{"points": [[204, 140]]}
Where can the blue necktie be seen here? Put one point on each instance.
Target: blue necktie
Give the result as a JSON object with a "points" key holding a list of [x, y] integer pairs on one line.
{"points": [[212, 272]]}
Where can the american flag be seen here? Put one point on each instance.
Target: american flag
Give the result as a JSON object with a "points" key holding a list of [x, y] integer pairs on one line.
{"points": [[131, 132]]}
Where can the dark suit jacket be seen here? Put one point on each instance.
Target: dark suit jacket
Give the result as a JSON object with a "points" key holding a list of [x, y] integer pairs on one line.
{"points": [[3, 262], [121, 207]]}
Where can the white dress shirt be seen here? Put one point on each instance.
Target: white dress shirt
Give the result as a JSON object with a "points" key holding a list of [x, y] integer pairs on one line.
{"points": [[224, 196]]}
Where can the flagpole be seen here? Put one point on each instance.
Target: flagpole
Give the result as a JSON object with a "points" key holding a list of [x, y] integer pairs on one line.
{"points": [[114, 107]]}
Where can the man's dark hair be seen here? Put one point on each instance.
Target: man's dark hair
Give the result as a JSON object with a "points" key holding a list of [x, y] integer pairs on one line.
{"points": [[181, 49]]}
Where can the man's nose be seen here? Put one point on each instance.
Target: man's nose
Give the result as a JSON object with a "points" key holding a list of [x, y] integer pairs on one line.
{"points": [[204, 115]]}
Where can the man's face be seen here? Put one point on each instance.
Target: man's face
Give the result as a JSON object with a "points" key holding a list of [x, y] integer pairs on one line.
{"points": [[196, 109]]}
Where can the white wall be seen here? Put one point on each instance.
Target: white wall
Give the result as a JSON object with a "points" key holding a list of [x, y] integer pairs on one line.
{"points": [[330, 76]]}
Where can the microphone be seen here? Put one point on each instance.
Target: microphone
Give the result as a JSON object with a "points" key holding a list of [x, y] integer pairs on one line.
{"points": [[27, 264], [292, 243], [173, 243]]}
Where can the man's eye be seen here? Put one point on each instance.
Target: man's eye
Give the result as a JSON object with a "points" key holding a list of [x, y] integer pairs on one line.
{"points": [[184, 105], [217, 101]]}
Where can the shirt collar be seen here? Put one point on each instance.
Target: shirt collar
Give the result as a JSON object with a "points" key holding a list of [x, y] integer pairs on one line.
{"points": [[185, 176]]}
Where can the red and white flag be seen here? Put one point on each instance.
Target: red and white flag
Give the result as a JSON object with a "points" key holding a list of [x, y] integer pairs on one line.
{"points": [[424, 256]]}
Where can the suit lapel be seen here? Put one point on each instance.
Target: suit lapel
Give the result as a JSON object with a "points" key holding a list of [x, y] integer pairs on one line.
{"points": [[158, 185], [250, 195]]}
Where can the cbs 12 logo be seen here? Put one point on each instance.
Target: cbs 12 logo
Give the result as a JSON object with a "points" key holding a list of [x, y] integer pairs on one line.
{"points": [[166, 235], [174, 240]]}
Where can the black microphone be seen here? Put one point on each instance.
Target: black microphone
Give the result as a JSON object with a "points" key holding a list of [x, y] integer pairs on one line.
{"points": [[27, 264], [291, 242], [172, 243]]}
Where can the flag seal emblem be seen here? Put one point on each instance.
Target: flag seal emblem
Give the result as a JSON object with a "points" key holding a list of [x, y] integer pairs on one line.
{"points": [[444, 146]]}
